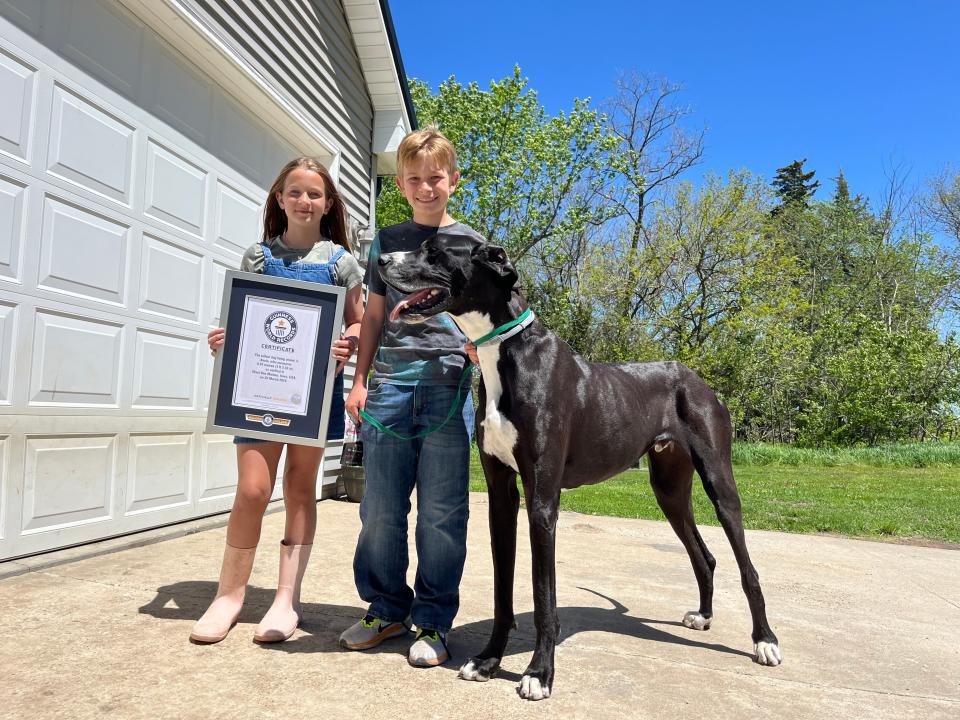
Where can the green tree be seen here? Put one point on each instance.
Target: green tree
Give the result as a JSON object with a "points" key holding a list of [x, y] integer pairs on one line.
{"points": [[873, 292], [528, 179], [794, 186], [942, 204], [703, 241], [842, 195], [879, 386], [653, 150]]}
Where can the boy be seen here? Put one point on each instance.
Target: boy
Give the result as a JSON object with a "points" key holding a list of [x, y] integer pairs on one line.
{"points": [[417, 368]]}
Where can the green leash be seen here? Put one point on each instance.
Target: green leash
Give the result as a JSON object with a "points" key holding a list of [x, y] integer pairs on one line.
{"points": [[467, 372], [496, 332]]}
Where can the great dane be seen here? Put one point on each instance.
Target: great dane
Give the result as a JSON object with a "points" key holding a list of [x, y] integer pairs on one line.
{"points": [[562, 422]]}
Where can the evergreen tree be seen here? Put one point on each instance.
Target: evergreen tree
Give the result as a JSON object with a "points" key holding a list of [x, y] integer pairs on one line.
{"points": [[794, 186], [841, 198]]}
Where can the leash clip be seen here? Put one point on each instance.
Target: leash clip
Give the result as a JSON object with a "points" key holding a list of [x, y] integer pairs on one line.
{"points": [[507, 330]]}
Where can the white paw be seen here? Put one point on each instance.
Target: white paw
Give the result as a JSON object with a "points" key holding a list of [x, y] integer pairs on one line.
{"points": [[530, 689], [696, 621], [767, 653], [470, 672]]}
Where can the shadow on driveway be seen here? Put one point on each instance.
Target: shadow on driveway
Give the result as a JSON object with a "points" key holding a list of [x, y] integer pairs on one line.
{"points": [[323, 623]]}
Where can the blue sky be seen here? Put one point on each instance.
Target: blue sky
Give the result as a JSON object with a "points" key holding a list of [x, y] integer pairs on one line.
{"points": [[865, 86]]}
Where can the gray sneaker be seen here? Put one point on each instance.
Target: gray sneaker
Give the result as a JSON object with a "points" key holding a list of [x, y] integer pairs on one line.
{"points": [[370, 632], [429, 649]]}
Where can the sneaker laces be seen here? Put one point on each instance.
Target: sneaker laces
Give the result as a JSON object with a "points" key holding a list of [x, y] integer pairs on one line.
{"points": [[432, 636], [368, 621]]}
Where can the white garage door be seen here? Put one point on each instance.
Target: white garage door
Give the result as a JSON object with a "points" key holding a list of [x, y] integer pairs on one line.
{"points": [[115, 231]]}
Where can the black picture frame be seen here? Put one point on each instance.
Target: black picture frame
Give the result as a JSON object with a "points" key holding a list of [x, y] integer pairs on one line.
{"points": [[323, 304]]}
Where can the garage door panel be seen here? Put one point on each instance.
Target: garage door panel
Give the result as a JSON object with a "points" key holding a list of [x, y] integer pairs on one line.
{"points": [[89, 146], [218, 478], [4, 483], [238, 139], [12, 227], [280, 153], [25, 13], [175, 189], [171, 280], [215, 284], [75, 361], [174, 93], [159, 472], [239, 220], [18, 82], [8, 322], [117, 62], [82, 252], [68, 481], [165, 371]]}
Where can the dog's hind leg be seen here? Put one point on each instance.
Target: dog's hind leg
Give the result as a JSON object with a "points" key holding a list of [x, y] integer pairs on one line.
{"points": [[712, 461], [504, 504], [671, 477]]}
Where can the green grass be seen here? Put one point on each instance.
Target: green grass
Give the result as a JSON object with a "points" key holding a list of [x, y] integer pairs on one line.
{"points": [[889, 499], [904, 455]]}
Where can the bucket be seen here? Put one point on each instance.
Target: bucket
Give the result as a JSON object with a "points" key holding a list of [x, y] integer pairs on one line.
{"points": [[353, 482]]}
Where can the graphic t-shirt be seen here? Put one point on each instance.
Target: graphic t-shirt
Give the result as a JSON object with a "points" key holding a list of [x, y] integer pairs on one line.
{"points": [[430, 352]]}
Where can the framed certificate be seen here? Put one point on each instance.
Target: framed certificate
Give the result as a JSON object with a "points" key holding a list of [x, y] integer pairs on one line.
{"points": [[273, 376]]}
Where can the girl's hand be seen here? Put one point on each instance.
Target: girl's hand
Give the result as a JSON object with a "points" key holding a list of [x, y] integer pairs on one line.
{"points": [[215, 340], [356, 401], [343, 349]]}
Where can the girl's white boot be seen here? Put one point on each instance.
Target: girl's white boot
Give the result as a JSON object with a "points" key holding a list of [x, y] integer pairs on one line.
{"points": [[222, 614], [284, 615]]}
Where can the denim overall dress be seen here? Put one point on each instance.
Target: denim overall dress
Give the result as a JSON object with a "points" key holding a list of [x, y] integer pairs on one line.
{"points": [[312, 272]]}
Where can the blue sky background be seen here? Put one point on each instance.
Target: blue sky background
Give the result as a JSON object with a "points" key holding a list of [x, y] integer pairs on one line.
{"points": [[863, 86]]}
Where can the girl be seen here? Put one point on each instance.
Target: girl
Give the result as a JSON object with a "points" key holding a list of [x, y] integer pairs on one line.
{"points": [[304, 237]]}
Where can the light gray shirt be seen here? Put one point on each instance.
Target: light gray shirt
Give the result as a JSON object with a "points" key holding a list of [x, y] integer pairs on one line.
{"points": [[347, 272]]}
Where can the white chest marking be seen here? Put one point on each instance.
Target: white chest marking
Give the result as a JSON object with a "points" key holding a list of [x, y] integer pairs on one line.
{"points": [[499, 434]]}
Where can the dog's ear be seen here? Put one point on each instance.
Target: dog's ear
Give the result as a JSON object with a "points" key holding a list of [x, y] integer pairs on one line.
{"points": [[496, 259]]}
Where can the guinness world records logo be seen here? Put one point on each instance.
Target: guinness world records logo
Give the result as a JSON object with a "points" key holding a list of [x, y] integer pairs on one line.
{"points": [[280, 327]]}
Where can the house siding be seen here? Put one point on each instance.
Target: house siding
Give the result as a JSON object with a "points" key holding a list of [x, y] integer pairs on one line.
{"points": [[306, 52]]}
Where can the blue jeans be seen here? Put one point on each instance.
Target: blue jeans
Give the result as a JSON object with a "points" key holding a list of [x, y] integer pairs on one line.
{"points": [[438, 467]]}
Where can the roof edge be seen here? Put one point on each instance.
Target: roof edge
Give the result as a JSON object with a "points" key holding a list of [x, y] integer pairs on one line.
{"points": [[398, 63]]}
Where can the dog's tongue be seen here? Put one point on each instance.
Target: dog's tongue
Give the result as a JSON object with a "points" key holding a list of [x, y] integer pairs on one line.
{"points": [[407, 302]]}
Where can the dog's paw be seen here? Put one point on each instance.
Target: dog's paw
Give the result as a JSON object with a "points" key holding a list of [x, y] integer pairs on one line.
{"points": [[768, 653], [695, 621], [530, 688], [479, 670]]}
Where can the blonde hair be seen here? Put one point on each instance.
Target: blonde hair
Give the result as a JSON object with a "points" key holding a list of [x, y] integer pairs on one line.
{"points": [[333, 224], [427, 142]]}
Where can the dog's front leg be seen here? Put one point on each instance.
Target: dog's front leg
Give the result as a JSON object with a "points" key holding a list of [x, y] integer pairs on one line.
{"points": [[543, 507], [504, 504]]}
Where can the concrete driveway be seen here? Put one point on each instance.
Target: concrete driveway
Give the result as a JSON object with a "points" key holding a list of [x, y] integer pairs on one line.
{"points": [[867, 630]]}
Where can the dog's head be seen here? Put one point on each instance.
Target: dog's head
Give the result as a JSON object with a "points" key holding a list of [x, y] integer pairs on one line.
{"points": [[455, 274]]}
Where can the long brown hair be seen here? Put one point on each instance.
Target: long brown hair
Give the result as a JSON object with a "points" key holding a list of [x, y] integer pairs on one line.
{"points": [[333, 224]]}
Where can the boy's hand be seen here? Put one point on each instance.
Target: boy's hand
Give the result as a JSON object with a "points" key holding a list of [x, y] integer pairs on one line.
{"points": [[472, 353], [215, 340], [343, 349], [356, 401]]}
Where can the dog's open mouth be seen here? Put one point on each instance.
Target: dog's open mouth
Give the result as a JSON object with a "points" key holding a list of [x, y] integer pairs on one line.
{"points": [[428, 301]]}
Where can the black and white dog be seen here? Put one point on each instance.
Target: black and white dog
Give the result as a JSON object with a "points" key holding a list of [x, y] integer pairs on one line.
{"points": [[562, 422]]}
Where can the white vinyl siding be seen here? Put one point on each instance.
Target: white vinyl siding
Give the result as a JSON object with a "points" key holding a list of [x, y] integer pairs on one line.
{"points": [[305, 49]]}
